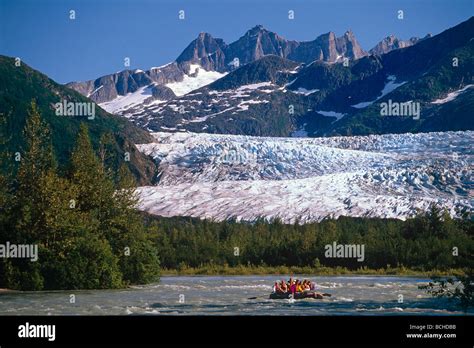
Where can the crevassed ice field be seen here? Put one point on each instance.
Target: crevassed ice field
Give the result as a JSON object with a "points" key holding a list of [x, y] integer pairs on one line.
{"points": [[308, 179]]}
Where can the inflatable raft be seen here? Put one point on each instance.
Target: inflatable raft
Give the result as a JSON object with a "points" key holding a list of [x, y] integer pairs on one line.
{"points": [[297, 296]]}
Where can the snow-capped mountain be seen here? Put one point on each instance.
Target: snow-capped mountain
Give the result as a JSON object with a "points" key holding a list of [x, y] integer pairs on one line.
{"points": [[282, 87], [213, 55], [245, 98], [241, 177]]}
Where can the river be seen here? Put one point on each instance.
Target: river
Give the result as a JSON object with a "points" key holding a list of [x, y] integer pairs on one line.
{"points": [[229, 295]]}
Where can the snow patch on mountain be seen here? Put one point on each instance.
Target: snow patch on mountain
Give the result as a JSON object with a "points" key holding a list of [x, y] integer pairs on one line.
{"points": [[389, 87], [191, 83], [95, 91], [335, 114], [451, 96], [161, 66], [123, 102], [304, 91]]}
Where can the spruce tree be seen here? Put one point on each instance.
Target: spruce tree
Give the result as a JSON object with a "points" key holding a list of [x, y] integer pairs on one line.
{"points": [[36, 161], [95, 188], [5, 197], [29, 203]]}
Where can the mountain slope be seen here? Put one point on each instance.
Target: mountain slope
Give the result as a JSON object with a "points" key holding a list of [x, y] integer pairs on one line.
{"points": [[425, 81], [248, 100], [20, 85]]}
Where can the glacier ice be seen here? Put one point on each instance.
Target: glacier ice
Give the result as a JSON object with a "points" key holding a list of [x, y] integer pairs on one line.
{"points": [[306, 179]]}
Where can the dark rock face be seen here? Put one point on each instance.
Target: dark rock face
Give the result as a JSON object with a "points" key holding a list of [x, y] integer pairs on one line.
{"points": [[328, 48], [321, 49], [256, 43], [348, 46], [162, 92], [206, 51], [259, 42], [165, 74]]}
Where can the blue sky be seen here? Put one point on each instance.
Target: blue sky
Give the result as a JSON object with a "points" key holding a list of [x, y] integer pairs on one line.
{"points": [[150, 33]]}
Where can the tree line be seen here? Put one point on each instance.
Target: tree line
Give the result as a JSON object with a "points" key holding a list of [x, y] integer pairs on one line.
{"points": [[429, 241]]}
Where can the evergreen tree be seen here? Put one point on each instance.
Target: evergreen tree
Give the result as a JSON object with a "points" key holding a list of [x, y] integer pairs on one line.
{"points": [[35, 163], [88, 174], [29, 203]]}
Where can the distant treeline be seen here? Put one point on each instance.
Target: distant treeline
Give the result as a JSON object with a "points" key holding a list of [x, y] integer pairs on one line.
{"points": [[82, 222], [430, 241]]}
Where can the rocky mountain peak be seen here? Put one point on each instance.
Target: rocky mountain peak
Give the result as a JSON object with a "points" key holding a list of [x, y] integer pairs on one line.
{"points": [[256, 29], [349, 33], [206, 51], [203, 36], [391, 43]]}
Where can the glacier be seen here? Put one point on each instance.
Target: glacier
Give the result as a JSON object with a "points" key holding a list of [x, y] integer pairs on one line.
{"points": [[303, 180]]}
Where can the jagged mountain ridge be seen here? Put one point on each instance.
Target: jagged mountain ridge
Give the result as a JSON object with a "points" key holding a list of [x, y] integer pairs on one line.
{"points": [[213, 54]]}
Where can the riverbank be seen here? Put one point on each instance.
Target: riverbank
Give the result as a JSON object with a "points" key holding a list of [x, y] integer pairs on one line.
{"points": [[3, 290], [317, 271]]}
